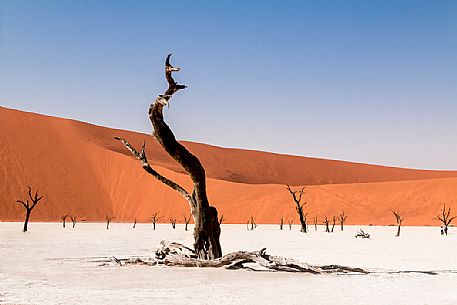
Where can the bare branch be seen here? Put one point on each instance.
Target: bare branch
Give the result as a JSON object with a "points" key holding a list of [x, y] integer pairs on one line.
{"points": [[22, 202], [145, 164]]}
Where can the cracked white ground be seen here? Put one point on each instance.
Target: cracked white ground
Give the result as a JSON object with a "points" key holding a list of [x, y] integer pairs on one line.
{"points": [[53, 265]]}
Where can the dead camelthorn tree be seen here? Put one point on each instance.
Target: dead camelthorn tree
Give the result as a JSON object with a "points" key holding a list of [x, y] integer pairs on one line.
{"points": [[29, 206], [333, 223], [173, 222], [445, 218], [134, 223], [207, 229], [342, 219], [186, 221], [108, 221], [399, 220], [154, 219], [315, 222], [326, 222], [64, 218], [281, 223], [297, 195], [290, 224], [252, 223], [73, 219]]}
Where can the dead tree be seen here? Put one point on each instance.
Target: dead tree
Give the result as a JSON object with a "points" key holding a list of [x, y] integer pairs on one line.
{"points": [[173, 222], [134, 223], [362, 234], [315, 222], [108, 221], [186, 221], [399, 220], [252, 223], [297, 195], [64, 218], [342, 219], [207, 229], [154, 219], [281, 223], [333, 224], [445, 218], [221, 219], [73, 219], [326, 225], [290, 224], [29, 206]]}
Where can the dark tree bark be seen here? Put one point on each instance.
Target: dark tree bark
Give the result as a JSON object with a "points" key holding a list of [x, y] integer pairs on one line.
{"points": [[186, 221], [399, 220], [64, 218], [342, 219], [290, 225], [297, 196], [173, 222], [445, 218], [154, 219], [74, 219], [281, 223], [29, 206], [134, 223], [207, 229], [326, 225], [333, 224], [315, 222], [252, 223], [108, 221]]}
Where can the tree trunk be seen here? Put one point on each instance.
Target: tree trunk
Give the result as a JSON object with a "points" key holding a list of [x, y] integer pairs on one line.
{"points": [[207, 229], [302, 221], [27, 217], [398, 231]]}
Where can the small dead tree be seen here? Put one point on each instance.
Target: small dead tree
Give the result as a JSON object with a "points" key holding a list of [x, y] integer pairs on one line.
{"points": [[399, 220], [445, 218], [362, 234], [315, 222], [342, 219], [297, 196], [221, 219], [29, 206], [253, 224], [326, 222], [154, 219], [333, 223], [173, 222], [134, 223], [290, 224], [108, 221], [64, 218], [186, 221], [73, 219], [207, 229], [281, 223]]}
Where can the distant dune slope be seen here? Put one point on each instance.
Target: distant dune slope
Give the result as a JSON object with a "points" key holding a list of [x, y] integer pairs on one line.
{"points": [[81, 169]]}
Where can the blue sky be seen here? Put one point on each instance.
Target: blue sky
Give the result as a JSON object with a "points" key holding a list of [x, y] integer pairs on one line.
{"points": [[366, 81]]}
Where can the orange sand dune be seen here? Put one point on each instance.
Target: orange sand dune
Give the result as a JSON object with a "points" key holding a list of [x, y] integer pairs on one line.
{"points": [[81, 169]]}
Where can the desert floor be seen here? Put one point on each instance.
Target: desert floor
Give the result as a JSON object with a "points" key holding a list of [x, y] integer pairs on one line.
{"points": [[52, 265]]}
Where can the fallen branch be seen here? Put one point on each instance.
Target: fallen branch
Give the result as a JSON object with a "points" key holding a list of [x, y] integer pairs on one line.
{"points": [[178, 255]]}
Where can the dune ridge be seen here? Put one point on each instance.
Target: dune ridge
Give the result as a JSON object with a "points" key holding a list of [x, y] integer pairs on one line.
{"points": [[81, 169]]}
